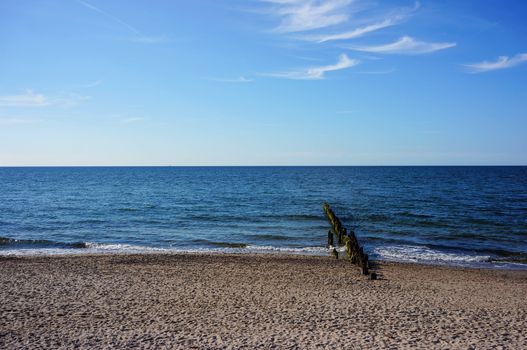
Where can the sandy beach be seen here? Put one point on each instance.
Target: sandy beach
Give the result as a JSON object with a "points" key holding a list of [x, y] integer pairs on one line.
{"points": [[255, 301]]}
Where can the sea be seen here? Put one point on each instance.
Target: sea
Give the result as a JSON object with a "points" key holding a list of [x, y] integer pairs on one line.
{"points": [[453, 215]]}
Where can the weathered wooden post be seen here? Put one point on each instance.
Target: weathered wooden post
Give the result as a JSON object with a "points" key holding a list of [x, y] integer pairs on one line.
{"points": [[348, 249], [354, 251]]}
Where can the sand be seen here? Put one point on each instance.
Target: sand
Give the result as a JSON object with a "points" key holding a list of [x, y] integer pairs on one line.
{"points": [[255, 301]]}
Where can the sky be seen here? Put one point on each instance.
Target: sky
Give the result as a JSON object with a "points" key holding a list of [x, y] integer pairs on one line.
{"points": [[263, 82]]}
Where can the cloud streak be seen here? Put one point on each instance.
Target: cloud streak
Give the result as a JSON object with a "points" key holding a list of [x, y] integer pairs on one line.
{"points": [[32, 99], [304, 15], [405, 46], [392, 20], [140, 37], [110, 16], [317, 73], [356, 33], [501, 63], [27, 99], [240, 79]]}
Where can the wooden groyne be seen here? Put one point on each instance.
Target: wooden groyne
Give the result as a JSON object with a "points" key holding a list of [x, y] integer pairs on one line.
{"points": [[346, 238]]}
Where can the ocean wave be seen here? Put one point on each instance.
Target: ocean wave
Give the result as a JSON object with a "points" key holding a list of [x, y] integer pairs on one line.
{"points": [[421, 254], [244, 218], [219, 243], [229, 244], [308, 250], [271, 237], [414, 215], [295, 217], [486, 222], [7, 242], [91, 221], [375, 218], [123, 248], [128, 209], [397, 253], [518, 258]]}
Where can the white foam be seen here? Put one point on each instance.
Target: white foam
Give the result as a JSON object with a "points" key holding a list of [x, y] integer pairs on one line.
{"points": [[98, 248], [117, 248], [406, 253], [420, 254], [299, 250], [39, 251]]}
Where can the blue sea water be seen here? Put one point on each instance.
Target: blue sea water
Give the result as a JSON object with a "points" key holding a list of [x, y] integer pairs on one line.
{"points": [[453, 215]]}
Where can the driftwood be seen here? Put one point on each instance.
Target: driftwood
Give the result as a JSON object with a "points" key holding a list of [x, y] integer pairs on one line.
{"points": [[347, 239]]}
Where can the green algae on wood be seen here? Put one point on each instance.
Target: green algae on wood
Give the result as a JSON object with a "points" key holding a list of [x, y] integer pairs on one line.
{"points": [[347, 239]]}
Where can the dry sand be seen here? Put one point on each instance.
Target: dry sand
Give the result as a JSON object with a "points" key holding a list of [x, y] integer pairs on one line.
{"points": [[247, 301]]}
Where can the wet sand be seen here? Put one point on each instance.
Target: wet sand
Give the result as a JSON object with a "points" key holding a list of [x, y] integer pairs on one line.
{"points": [[263, 301]]}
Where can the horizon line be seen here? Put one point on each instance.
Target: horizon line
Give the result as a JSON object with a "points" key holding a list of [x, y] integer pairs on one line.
{"points": [[262, 166]]}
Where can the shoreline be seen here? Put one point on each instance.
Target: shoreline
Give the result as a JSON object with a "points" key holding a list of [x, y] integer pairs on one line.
{"points": [[255, 301], [491, 264]]}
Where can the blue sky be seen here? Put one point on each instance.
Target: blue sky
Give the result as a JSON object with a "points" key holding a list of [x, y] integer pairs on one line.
{"points": [[277, 82]]}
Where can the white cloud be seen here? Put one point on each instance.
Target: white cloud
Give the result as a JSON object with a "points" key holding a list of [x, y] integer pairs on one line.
{"points": [[27, 99], [501, 63], [389, 21], [405, 45], [303, 15], [317, 73], [350, 34], [240, 79], [32, 99]]}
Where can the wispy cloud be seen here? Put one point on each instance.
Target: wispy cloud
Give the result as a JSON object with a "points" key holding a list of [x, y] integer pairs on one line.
{"points": [[405, 45], [390, 20], [319, 21], [356, 33], [303, 15], [501, 63], [110, 16], [139, 37], [27, 99], [33, 99], [240, 79], [317, 73]]}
